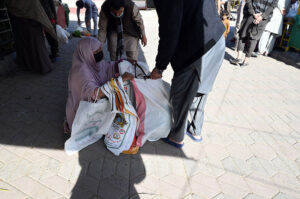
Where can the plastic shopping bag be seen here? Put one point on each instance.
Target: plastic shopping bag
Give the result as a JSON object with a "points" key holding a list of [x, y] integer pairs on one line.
{"points": [[91, 122], [140, 69], [123, 129], [62, 35], [153, 108]]}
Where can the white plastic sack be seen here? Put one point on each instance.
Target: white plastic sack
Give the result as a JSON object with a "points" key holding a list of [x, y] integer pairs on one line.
{"points": [[123, 129], [62, 35], [126, 66], [79, 28], [92, 121], [154, 109]]}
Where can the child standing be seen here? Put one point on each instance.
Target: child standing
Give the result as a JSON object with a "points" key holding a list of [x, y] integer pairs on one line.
{"points": [[226, 22]]}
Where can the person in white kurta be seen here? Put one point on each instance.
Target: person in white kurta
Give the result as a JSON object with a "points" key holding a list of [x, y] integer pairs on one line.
{"points": [[273, 28]]}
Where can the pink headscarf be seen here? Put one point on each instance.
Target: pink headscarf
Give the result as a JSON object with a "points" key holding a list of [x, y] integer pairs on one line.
{"points": [[85, 75]]}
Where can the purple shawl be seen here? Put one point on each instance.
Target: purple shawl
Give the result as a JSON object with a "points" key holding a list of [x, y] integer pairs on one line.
{"points": [[85, 75]]}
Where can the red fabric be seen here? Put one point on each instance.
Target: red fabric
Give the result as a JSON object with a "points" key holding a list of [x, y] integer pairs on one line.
{"points": [[53, 21], [141, 110], [61, 17]]}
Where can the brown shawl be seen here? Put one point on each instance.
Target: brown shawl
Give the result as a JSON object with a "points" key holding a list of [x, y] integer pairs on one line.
{"points": [[31, 9]]}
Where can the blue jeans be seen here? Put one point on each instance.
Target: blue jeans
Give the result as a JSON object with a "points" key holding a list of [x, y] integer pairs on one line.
{"points": [[95, 17]]}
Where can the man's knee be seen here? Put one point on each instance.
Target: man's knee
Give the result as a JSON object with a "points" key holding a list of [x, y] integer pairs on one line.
{"points": [[132, 55]]}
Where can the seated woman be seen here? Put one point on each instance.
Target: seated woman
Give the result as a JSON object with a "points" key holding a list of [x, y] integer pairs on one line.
{"points": [[89, 71]]}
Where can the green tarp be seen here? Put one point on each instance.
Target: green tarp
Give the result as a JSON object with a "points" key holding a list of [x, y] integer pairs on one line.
{"points": [[295, 34]]}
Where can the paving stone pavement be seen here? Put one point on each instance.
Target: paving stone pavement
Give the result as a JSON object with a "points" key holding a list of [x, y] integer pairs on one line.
{"points": [[251, 147]]}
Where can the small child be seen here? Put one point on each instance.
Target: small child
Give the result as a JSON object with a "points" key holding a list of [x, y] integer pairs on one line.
{"points": [[226, 22]]}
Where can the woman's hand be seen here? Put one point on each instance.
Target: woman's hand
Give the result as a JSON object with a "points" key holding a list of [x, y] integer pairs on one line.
{"points": [[100, 94], [127, 76]]}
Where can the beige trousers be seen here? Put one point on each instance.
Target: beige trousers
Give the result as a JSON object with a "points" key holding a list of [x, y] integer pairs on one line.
{"points": [[130, 46]]}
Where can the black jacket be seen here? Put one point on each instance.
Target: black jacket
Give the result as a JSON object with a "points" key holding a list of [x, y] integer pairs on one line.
{"points": [[187, 30]]}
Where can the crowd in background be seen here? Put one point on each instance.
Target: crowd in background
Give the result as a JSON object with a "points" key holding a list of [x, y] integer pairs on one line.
{"points": [[259, 24]]}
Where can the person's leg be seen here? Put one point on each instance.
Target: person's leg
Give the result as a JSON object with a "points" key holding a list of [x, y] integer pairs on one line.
{"points": [[131, 46], [112, 45], [252, 45], [95, 17], [211, 63], [263, 42], [240, 48], [271, 43], [184, 84], [183, 90], [197, 115], [88, 26]]}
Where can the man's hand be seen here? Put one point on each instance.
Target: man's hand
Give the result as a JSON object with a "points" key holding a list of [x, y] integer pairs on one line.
{"points": [[144, 40], [283, 12], [127, 76], [256, 15], [258, 19], [155, 74]]}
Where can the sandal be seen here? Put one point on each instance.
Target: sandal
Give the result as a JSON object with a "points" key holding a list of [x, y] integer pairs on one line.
{"points": [[168, 141], [193, 137]]}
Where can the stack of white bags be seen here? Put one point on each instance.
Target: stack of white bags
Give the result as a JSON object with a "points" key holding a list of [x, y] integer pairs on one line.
{"points": [[117, 119]]}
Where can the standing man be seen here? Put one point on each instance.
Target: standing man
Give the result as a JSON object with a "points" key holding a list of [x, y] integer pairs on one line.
{"points": [[122, 24], [91, 12], [49, 8], [273, 28], [191, 39], [256, 16]]}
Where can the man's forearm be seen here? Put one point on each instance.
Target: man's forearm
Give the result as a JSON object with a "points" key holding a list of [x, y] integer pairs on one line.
{"points": [[137, 17], [78, 14]]}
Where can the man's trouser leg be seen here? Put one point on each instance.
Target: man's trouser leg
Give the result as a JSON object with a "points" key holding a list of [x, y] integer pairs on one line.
{"points": [[211, 63], [186, 88], [95, 17], [263, 42], [196, 113], [271, 43], [252, 46], [241, 44], [183, 90], [112, 45], [131, 46], [88, 27]]}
